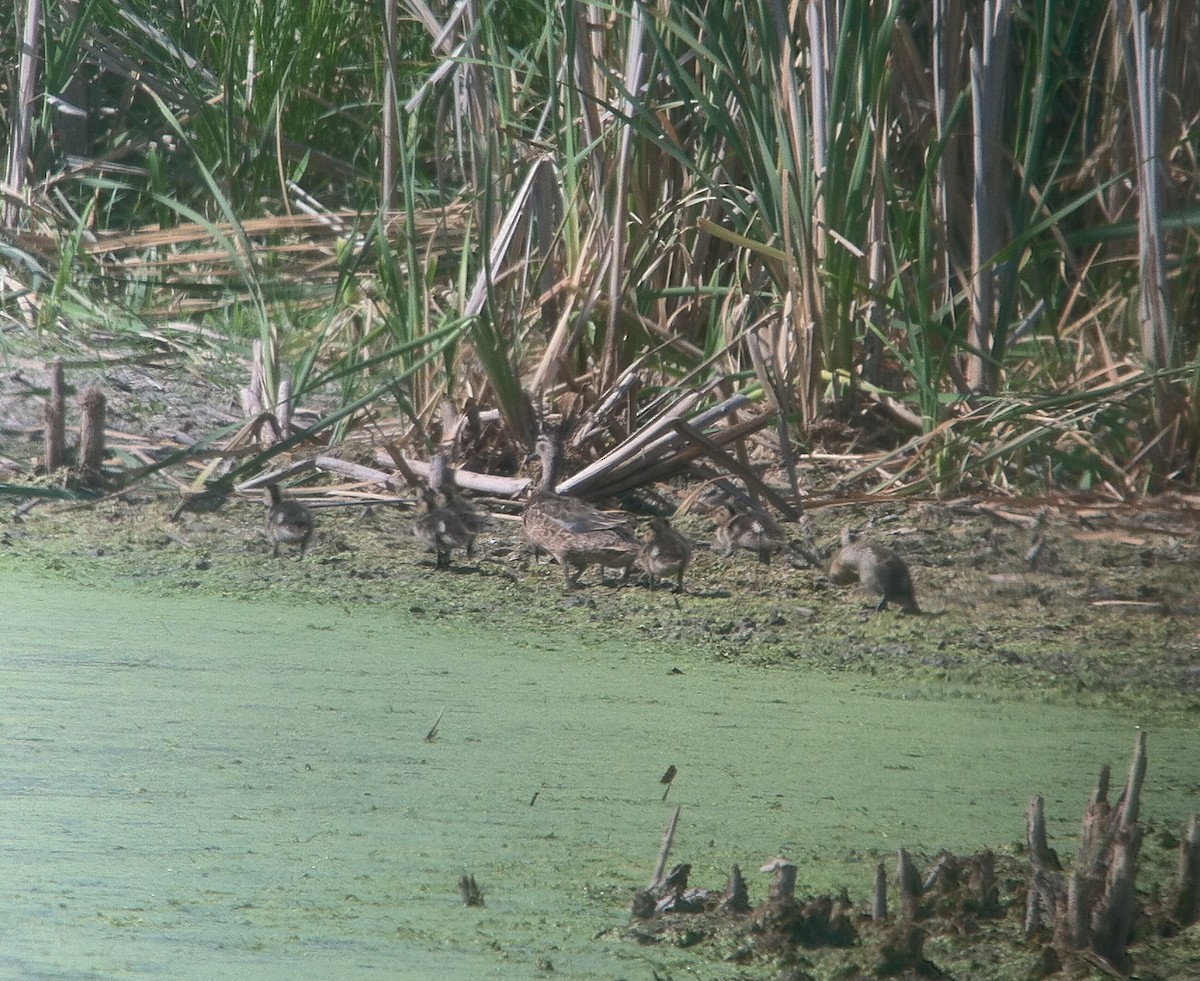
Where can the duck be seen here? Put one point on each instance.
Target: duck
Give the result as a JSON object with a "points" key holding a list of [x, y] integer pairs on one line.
{"points": [[442, 530], [573, 532], [878, 569], [442, 481], [752, 529], [665, 552], [288, 522]]}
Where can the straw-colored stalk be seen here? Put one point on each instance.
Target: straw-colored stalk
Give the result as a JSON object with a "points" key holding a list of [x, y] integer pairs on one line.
{"points": [[989, 69]]}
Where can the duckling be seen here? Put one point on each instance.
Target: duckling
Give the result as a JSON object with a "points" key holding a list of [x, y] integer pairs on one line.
{"points": [[879, 569], [442, 481], [442, 530], [572, 531], [288, 522], [753, 529], [665, 552]]}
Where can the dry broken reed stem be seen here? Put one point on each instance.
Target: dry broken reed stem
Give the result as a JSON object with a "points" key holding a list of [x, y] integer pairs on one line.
{"points": [[632, 451], [470, 890], [783, 882], [624, 391], [664, 851], [684, 458], [431, 735], [737, 897], [513, 487], [732, 465], [648, 445], [303, 243], [653, 453]]}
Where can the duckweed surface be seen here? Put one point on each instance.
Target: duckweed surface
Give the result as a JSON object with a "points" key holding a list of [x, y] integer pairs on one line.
{"points": [[212, 783], [216, 765]]}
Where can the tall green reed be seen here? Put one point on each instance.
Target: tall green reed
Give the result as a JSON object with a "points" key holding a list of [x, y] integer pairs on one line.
{"points": [[697, 191]]}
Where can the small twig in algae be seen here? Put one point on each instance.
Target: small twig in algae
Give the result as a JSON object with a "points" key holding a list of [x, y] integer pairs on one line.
{"points": [[431, 735]]}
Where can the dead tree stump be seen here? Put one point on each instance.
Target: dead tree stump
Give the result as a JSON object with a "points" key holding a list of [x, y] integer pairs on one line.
{"points": [[1092, 907], [736, 898], [879, 904], [1041, 856], [910, 885], [55, 435], [783, 885], [902, 952], [91, 433], [1187, 895]]}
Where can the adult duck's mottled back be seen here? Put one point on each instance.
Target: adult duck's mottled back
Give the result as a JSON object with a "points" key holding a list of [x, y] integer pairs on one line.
{"points": [[574, 532], [288, 522]]}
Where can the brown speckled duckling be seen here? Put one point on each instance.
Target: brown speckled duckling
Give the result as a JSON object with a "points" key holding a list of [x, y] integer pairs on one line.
{"points": [[442, 481], [752, 529], [665, 553], [878, 569], [288, 522], [572, 531], [442, 530]]}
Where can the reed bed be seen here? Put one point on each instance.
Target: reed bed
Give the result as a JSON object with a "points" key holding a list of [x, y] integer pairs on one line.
{"points": [[962, 235]]}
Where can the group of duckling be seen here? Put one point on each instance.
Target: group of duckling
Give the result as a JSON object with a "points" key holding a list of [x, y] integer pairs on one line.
{"points": [[577, 534]]}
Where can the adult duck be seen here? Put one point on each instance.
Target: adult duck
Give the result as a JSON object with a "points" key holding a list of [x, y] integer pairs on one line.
{"points": [[574, 532]]}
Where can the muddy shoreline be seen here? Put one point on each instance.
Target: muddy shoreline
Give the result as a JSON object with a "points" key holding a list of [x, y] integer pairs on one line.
{"points": [[1111, 613]]}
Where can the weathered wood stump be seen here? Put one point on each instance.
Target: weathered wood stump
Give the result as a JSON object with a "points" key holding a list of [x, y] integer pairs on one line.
{"points": [[879, 903], [1187, 893], [910, 886], [55, 435], [91, 433], [1091, 909], [736, 898], [903, 953]]}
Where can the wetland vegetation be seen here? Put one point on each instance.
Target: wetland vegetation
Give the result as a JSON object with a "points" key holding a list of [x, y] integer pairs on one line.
{"points": [[924, 269]]}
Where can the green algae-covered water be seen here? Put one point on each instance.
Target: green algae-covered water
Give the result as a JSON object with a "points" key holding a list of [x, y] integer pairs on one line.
{"points": [[196, 787]]}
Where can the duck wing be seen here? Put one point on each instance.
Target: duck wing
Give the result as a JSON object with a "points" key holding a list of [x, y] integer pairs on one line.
{"points": [[578, 517]]}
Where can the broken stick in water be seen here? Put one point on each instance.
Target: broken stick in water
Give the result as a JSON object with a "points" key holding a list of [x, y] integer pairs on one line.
{"points": [[665, 851], [431, 735]]}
